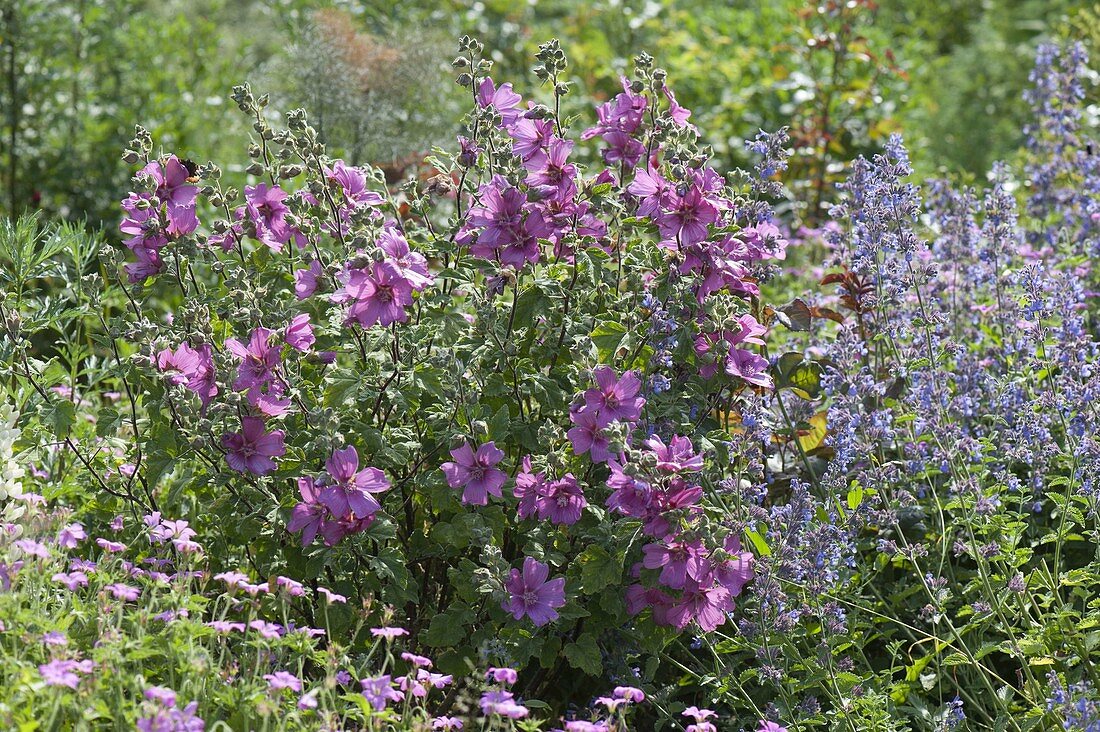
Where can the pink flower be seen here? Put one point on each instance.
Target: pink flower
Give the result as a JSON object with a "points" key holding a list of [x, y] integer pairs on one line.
{"points": [[32, 548], [64, 672], [501, 675], [706, 603], [281, 680], [678, 457], [418, 661], [587, 435], [502, 703], [293, 588], [379, 294], [699, 715], [267, 211], [528, 489], [561, 501], [259, 359], [411, 265], [532, 595], [388, 632], [630, 693], [750, 367], [503, 99], [192, 367], [252, 449], [504, 226], [305, 280], [766, 726], [348, 492], [615, 398], [379, 692], [176, 192], [71, 580], [123, 592], [736, 571], [271, 631], [677, 561], [330, 596], [299, 334], [474, 473]]}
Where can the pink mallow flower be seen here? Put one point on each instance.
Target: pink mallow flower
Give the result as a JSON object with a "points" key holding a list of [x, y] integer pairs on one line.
{"points": [[473, 472], [561, 501], [348, 492], [192, 367], [252, 449], [379, 294], [259, 359], [532, 595], [615, 398], [299, 334]]}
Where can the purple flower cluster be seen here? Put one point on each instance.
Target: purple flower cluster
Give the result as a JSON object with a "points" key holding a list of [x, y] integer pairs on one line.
{"points": [[155, 218]]}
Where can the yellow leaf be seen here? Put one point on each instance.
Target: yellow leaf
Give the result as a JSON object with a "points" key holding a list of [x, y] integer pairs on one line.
{"points": [[812, 438]]}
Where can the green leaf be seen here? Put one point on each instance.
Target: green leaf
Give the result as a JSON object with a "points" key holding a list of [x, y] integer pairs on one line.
{"points": [[855, 495], [607, 337], [584, 654], [448, 629], [60, 416], [598, 569]]}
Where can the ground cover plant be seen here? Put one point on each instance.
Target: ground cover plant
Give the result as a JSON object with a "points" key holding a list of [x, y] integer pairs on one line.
{"points": [[571, 430]]}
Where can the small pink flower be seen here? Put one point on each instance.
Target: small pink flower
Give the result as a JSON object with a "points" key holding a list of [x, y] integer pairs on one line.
{"points": [[388, 633], [281, 680]]}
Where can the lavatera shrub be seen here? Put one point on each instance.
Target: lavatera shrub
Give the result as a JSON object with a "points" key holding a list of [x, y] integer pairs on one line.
{"points": [[506, 405]]}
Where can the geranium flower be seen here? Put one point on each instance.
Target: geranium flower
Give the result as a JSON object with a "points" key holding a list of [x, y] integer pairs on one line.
{"points": [[388, 632], [252, 449], [71, 580], [281, 680], [61, 672], [379, 692], [502, 703], [474, 473], [501, 675], [531, 594]]}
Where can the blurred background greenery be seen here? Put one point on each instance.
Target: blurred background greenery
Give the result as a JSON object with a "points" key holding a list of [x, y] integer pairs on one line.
{"points": [[76, 76]]}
